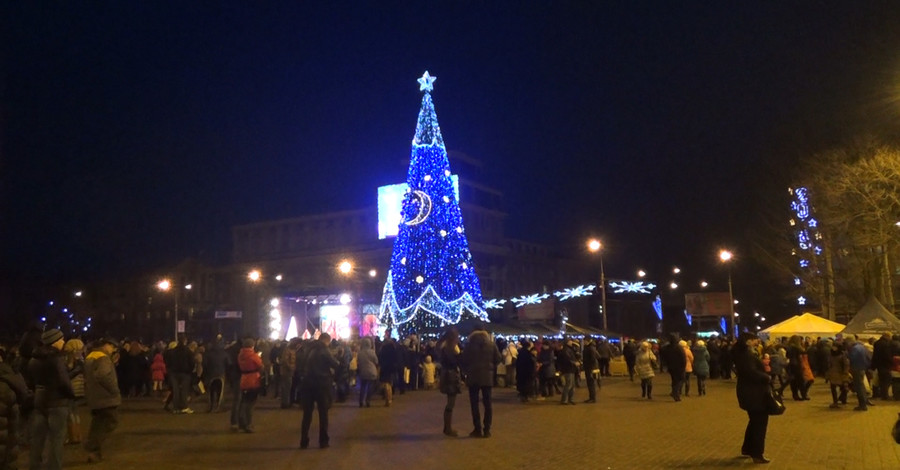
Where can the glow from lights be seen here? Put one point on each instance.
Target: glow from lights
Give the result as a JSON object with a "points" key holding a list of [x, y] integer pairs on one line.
{"points": [[164, 285], [594, 245], [254, 276], [641, 273], [725, 256], [373, 273], [676, 270], [345, 267], [580, 291], [274, 302], [673, 285], [703, 283], [426, 83], [78, 294], [345, 299], [189, 286], [638, 287], [657, 307], [279, 277]]}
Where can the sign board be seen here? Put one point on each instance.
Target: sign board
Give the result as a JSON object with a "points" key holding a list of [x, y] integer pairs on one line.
{"points": [[708, 304], [540, 311], [228, 314], [180, 326]]}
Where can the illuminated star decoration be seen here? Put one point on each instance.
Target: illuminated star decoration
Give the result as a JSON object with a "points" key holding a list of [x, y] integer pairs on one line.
{"points": [[637, 287], [529, 299], [494, 303], [573, 292], [426, 83], [801, 300]]}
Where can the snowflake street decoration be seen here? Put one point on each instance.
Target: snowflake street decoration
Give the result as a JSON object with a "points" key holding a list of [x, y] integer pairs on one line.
{"points": [[637, 287], [574, 292], [494, 303], [529, 299]]}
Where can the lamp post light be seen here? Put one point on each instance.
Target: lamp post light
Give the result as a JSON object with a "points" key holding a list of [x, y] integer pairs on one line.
{"points": [[726, 256], [594, 246], [165, 286]]}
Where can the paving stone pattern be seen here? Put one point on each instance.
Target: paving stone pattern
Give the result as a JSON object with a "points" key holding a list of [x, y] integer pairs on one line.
{"points": [[621, 431]]}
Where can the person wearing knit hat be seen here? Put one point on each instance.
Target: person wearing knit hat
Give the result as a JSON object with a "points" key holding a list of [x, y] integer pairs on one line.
{"points": [[52, 336], [52, 398]]}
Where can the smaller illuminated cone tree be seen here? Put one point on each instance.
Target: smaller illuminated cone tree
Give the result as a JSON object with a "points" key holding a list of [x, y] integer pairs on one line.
{"points": [[432, 280]]}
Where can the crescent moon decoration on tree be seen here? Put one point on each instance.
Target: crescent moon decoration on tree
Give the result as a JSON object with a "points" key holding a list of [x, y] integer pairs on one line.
{"points": [[424, 208]]}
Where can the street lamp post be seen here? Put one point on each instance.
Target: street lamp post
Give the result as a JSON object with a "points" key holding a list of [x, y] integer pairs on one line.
{"points": [[595, 246], [726, 257], [165, 285]]}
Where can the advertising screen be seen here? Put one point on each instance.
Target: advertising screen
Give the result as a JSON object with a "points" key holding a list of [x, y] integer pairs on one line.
{"points": [[335, 320], [390, 205]]}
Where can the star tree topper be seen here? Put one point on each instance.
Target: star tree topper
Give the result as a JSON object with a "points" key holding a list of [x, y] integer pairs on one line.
{"points": [[426, 83]]}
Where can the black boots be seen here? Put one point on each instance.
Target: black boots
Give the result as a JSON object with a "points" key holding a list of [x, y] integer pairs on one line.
{"points": [[448, 429]]}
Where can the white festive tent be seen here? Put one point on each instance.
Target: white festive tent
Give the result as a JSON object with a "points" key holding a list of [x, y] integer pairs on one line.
{"points": [[872, 320], [803, 325]]}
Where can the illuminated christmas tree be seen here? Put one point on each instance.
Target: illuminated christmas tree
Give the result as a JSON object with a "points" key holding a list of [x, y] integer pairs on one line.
{"points": [[432, 280]]}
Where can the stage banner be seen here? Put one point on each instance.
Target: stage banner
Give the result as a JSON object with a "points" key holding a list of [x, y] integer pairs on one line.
{"points": [[707, 304]]}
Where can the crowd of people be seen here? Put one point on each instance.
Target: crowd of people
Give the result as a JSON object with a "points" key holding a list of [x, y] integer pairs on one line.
{"points": [[46, 377]]}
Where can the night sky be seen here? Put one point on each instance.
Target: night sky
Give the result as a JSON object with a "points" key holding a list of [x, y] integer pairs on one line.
{"points": [[135, 134]]}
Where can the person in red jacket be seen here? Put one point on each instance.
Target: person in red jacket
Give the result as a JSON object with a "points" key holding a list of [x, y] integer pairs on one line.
{"points": [[250, 364]]}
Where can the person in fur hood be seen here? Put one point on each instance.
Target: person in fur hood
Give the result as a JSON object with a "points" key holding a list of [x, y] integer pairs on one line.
{"points": [[479, 361]]}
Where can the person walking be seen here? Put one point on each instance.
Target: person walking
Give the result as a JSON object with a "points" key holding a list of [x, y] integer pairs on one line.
{"points": [[14, 394], [181, 371], [566, 365], [215, 362], [644, 364], [673, 358], [52, 396], [479, 361], [605, 352], [838, 374], [287, 363], [251, 366], [859, 363], [882, 362], [451, 378], [688, 366], [753, 385], [317, 382], [367, 370], [629, 351], [526, 367], [591, 365], [101, 388], [701, 365], [389, 359]]}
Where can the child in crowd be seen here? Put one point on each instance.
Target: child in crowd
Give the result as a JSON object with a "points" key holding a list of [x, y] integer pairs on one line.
{"points": [[428, 373]]}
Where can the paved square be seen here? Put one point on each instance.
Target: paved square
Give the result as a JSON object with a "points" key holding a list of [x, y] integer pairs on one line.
{"points": [[621, 431]]}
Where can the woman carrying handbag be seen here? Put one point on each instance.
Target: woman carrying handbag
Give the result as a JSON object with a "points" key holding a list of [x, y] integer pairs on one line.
{"points": [[754, 393]]}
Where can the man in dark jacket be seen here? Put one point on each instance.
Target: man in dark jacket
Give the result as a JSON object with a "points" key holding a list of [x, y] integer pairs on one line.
{"points": [[672, 355], [591, 364], [389, 358], [180, 373], [479, 362], [882, 361], [214, 363], [52, 396], [630, 353], [566, 365], [317, 381], [101, 389]]}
